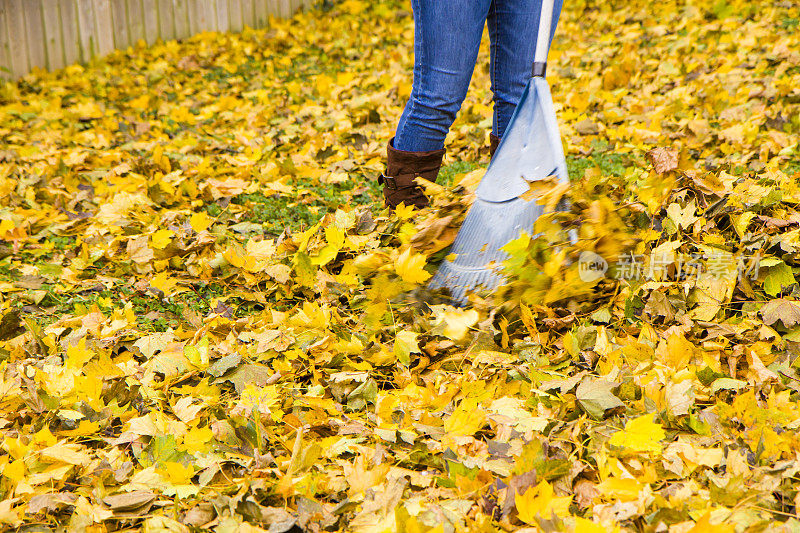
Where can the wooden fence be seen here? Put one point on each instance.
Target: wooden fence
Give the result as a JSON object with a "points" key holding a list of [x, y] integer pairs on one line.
{"points": [[54, 33]]}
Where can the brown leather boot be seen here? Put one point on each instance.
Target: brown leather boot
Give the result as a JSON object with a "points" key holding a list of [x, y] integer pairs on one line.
{"points": [[401, 170], [494, 142]]}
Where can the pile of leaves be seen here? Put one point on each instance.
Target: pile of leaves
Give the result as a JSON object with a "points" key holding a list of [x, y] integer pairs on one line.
{"points": [[207, 322]]}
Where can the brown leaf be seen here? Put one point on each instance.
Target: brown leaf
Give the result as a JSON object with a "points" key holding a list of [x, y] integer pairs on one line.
{"points": [[199, 515], [30, 282], [129, 501], [50, 502], [11, 325], [787, 311], [663, 159], [585, 493], [587, 127]]}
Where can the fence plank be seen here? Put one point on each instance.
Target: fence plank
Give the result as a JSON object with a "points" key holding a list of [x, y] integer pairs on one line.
{"points": [[104, 26], [119, 24], [181, 19], [87, 37], [223, 22], [193, 14], [69, 31], [235, 15], [151, 30], [206, 21], [51, 19], [166, 19], [34, 34], [210, 7], [247, 13], [136, 21], [286, 8], [261, 13], [5, 46], [16, 38]]}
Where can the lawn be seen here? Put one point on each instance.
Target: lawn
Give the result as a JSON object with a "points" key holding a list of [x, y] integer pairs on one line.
{"points": [[208, 322]]}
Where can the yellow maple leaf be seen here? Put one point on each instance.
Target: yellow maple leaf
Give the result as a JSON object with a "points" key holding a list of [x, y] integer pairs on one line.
{"points": [[583, 525], [163, 283], [640, 434], [539, 501], [405, 212], [405, 343], [161, 239], [6, 225], [78, 355], [196, 439], [704, 525], [15, 470], [453, 323], [409, 266], [198, 354], [465, 420], [176, 473], [624, 489], [200, 221]]}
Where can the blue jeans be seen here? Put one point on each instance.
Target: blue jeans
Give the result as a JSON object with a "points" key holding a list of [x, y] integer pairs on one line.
{"points": [[447, 36]]}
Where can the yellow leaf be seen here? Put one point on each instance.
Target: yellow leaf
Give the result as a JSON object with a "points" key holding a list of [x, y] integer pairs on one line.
{"points": [[161, 160], [198, 354], [6, 225], [540, 502], [200, 221], [84, 428], [10, 515], [465, 420], [409, 266], [44, 436], [453, 323], [15, 470], [704, 525], [66, 453], [615, 488], [640, 434], [196, 439], [583, 525], [323, 84], [262, 249], [161, 239], [163, 283], [405, 212], [335, 238], [176, 473], [405, 343], [78, 355]]}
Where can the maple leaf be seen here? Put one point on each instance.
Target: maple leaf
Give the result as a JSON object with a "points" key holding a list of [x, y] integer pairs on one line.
{"points": [[640, 434], [409, 266], [540, 502], [785, 311]]}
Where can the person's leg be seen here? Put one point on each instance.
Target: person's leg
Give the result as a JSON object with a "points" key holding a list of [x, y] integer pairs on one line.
{"points": [[447, 36], [513, 25]]}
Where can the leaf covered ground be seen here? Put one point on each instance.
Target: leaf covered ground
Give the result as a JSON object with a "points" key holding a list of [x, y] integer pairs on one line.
{"points": [[208, 322]]}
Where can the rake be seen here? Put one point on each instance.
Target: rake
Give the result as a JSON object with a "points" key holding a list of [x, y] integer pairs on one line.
{"points": [[530, 150]]}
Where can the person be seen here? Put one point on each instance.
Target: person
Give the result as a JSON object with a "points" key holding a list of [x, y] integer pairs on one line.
{"points": [[447, 37]]}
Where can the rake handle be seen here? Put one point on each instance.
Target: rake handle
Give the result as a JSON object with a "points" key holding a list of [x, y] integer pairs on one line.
{"points": [[543, 39]]}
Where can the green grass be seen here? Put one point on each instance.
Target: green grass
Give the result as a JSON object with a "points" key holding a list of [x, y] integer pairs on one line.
{"points": [[449, 172], [310, 203], [610, 164]]}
